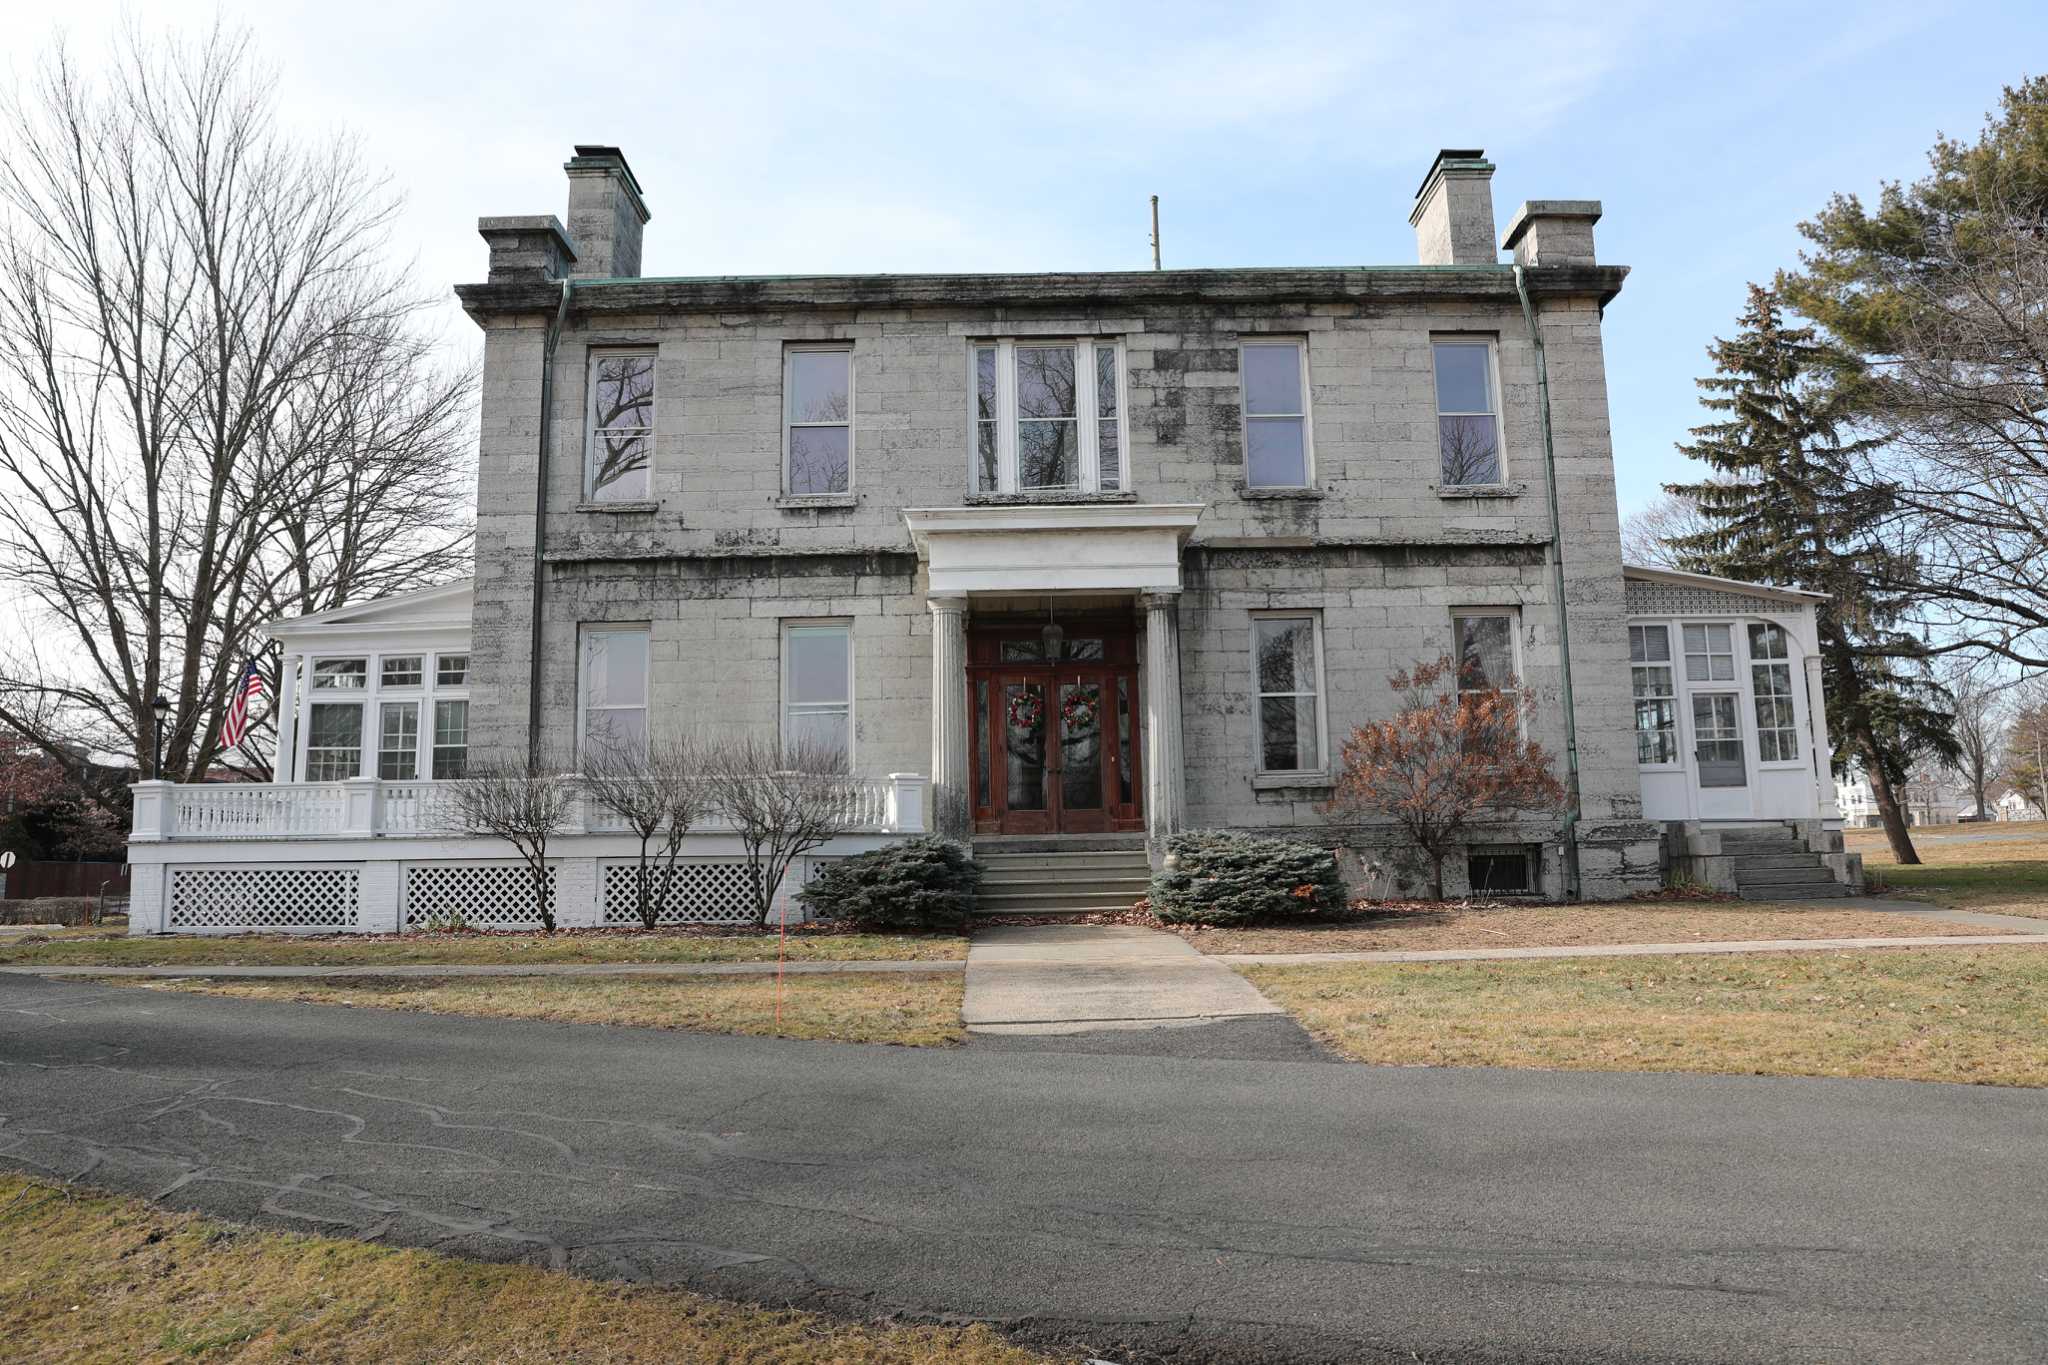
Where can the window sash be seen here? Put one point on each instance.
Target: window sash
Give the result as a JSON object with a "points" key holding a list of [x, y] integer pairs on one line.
{"points": [[451, 670], [1099, 420], [341, 675], [613, 722], [1305, 695], [333, 756], [1508, 671], [634, 482], [792, 424], [1260, 427], [398, 741], [1464, 416], [820, 714], [1709, 652], [451, 739], [402, 670], [1777, 712]]}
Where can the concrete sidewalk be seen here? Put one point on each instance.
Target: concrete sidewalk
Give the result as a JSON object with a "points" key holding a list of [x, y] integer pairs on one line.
{"points": [[1760, 945], [417, 969], [1063, 978]]}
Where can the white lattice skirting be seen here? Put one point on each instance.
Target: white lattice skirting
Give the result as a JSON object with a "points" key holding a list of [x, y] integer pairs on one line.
{"points": [[474, 895], [218, 898], [703, 891]]}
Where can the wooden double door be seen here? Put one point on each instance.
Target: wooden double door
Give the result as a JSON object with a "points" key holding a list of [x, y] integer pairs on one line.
{"points": [[1054, 734]]}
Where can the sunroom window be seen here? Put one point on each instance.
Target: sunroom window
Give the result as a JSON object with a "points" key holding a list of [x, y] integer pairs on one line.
{"points": [[1047, 416]]}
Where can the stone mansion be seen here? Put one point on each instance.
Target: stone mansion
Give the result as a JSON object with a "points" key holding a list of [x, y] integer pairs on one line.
{"points": [[1081, 557]]}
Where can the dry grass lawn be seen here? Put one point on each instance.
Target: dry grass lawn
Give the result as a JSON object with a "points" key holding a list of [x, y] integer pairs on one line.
{"points": [[1563, 926], [2002, 868], [87, 1276], [95, 949], [1976, 1015], [872, 1007]]}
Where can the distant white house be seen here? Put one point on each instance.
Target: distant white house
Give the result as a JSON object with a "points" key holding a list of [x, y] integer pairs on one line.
{"points": [[1932, 795]]}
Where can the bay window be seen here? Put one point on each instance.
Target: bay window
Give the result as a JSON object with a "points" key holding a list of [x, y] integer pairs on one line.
{"points": [[1047, 416]]}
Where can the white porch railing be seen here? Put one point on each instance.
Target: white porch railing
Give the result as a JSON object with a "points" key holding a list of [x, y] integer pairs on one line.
{"points": [[364, 807]]}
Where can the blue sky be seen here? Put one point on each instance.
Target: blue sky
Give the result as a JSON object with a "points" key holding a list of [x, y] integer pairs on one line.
{"points": [[949, 136]]}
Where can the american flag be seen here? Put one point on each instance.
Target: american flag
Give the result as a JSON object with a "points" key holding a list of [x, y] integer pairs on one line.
{"points": [[236, 723]]}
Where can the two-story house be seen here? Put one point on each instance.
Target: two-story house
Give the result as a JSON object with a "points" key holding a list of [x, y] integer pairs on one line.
{"points": [[1103, 556]]}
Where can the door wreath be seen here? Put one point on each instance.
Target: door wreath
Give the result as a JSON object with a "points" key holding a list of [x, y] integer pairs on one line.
{"points": [[1077, 712], [1027, 710]]}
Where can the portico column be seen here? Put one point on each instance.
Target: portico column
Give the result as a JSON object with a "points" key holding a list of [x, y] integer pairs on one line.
{"points": [[1823, 746], [949, 714], [285, 764], [1165, 783]]}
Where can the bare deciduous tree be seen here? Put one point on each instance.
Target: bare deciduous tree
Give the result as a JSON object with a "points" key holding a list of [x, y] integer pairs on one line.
{"points": [[1647, 535], [1980, 726], [216, 401], [783, 801], [1445, 760], [526, 805], [656, 794]]}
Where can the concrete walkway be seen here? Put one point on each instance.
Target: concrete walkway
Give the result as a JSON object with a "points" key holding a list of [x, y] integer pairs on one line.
{"points": [[415, 969], [1983, 919], [1760, 945], [1074, 978]]}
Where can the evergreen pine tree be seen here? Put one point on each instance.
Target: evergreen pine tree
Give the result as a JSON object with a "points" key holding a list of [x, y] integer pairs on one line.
{"points": [[1783, 507]]}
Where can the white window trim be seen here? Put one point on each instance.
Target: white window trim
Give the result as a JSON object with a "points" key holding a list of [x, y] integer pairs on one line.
{"points": [[1245, 418], [438, 655], [1672, 667], [782, 668], [426, 661], [370, 699], [1086, 408], [592, 358], [1795, 680], [429, 730], [366, 752], [789, 351], [583, 634], [1503, 471], [1322, 756]]}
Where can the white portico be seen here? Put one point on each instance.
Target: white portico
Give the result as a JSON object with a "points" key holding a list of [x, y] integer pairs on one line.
{"points": [[1731, 724], [1045, 719]]}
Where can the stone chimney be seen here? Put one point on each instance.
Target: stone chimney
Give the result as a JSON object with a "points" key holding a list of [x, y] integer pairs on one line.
{"points": [[1552, 232], [606, 214], [1453, 215]]}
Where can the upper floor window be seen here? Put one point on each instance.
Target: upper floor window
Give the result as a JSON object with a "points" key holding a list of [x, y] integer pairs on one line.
{"points": [[1649, 657], [401, 670], [340, 675], [620, 444], [1709, 654], [1047, 416], [1467, 410], [1770, 673], [817, 689], [1285, 671], [817, 386], [612, 696], [1274, 378]]}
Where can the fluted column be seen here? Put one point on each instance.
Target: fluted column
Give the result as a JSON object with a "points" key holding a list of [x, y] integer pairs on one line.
{"points": [[1165, 782], [949, 714]]}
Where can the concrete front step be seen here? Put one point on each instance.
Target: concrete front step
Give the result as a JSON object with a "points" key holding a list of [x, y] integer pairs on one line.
{"points": [[1105, 861], [1767, 862], [1783, 876], [1060, 881]]}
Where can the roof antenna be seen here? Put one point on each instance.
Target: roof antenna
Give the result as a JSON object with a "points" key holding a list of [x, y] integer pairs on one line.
{"points": [[1155, 232]]}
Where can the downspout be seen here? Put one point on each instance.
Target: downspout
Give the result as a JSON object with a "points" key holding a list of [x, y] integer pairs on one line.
{"points": [[540, 518], [1568, 833]]}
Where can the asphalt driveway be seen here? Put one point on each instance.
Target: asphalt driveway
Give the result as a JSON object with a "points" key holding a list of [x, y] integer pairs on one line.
{"points": [[1219, 1204]]}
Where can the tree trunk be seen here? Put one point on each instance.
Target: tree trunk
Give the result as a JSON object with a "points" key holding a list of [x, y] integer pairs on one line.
{"points": [[647, 914], [1436, 876], [540, 896], [1887, 803]]}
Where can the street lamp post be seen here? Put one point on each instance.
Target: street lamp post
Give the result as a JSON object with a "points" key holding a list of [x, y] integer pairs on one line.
{"points": [[161, 709]]}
